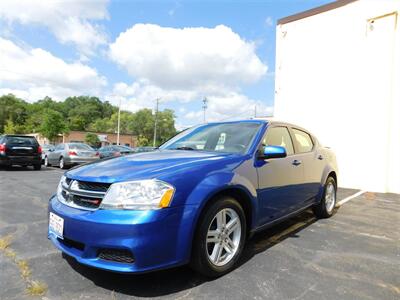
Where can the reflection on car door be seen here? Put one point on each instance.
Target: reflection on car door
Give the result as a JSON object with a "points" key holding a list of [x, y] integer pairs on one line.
{"points": [[280, 179]]}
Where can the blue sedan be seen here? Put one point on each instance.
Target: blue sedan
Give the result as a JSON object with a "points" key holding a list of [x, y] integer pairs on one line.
{"points": [[196, 199]]}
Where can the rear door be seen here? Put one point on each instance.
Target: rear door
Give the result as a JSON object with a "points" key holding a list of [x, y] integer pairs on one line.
{"points": [[21, 146], [279, 179], [311, 160]]}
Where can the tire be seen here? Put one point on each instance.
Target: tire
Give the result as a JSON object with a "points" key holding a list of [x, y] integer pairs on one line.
{"points": [[37, 167], [46, 162], [326, 207], [61, 163], [210, 255]]}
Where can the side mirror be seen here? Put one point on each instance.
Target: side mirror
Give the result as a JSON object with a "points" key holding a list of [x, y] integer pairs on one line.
{"points": [[273, 152], [51, 149]]}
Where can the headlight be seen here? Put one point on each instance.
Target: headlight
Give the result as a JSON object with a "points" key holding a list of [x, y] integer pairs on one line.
{"points": [[139, 195], [62, 183]]}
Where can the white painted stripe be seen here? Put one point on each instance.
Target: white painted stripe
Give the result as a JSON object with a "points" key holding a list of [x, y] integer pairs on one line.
{"points": [[343, 201]]}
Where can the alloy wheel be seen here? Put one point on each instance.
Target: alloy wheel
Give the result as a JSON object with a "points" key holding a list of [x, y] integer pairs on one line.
{"points": [[223, 237], [330, 197]]}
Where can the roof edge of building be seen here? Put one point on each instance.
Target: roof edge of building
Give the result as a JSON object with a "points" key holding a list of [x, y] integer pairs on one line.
{"points": [[314, 11]]}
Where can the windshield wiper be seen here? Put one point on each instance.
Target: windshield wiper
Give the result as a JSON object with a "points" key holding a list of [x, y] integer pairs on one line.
{"points": [[183, 148]]}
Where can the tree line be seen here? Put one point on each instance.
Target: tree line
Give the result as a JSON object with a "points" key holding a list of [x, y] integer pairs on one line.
{"points": [[84, 113]]}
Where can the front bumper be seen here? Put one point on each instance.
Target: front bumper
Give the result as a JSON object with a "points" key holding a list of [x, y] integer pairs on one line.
{"points": [[157, 239]]}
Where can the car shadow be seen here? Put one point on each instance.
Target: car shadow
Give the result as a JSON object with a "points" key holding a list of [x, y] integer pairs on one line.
{"points": [[166, 282], [21, 168]]}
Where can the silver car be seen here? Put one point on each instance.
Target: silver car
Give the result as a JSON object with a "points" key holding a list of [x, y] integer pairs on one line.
{"points": [[69, 154]]}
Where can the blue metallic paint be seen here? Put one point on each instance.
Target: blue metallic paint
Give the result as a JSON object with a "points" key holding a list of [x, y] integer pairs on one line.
{"points": [[163, 238]]}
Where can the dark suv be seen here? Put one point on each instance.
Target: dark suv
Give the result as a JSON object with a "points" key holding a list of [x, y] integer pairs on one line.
{"points": [[20, 150]]}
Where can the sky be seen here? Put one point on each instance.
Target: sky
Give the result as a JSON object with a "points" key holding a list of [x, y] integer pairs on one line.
{"points": [[133, 52]]}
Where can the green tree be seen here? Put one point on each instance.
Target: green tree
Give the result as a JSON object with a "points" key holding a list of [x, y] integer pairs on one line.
{"points": [[53, 124], [13, 109], [92, 139]]}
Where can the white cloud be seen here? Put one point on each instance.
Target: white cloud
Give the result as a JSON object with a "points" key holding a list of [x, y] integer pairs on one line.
{"points": [[174, 58], [70, 21], [269, 22], [36, 73], [185, 65]]}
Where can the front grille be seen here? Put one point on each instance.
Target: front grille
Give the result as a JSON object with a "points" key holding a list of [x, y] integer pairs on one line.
{"points": [[83, 194], [117, 255], [86, 201], [93, 186]]}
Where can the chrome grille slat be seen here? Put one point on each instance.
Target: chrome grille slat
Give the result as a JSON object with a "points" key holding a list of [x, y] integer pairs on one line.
{"points": [[83, 195]]}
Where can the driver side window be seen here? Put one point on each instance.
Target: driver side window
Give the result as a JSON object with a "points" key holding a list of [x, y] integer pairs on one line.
{"points": [[279, 136]]}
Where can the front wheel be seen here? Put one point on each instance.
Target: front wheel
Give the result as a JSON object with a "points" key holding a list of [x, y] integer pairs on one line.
{"points": [[326, 207], [219, 238]]}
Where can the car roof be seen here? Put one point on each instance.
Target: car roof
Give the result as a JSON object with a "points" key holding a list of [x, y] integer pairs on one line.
{"points": [[265, 120]]}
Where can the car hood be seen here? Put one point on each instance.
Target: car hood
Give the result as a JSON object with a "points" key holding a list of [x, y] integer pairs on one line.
{"points": [[160, 164]]}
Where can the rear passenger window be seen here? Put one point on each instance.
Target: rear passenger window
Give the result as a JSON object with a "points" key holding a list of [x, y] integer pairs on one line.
{"points": [[279, 136], [304, 141]]}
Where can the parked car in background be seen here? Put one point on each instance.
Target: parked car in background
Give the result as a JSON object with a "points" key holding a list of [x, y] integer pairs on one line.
{"points": [[20, 150], [70, 154], [144, 149], [195, 200], [115, 150], [45, 149]]}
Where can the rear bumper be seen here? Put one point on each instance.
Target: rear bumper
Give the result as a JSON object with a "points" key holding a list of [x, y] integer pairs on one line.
{"points": [[157, 239], [20, 160], [79, 160]]}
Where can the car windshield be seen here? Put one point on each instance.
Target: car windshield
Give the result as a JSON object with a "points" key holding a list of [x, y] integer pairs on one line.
{"points": [[80, 147], [221, 137]]}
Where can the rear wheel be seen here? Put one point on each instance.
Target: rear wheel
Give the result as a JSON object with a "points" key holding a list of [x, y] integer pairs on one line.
{"points": [[326, 207], [219, 238], [46, 162], [62, 163], [37, 167]]}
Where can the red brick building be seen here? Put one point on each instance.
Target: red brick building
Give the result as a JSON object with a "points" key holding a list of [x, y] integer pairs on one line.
{"points": [[79, 136]]}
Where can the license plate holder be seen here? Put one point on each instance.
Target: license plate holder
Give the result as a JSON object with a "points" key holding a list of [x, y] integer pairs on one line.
{"points": [[56, 225]]}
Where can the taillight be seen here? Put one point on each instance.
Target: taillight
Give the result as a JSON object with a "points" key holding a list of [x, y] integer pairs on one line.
{"points": [[39, 150], [3, 148], [97, 154], [72, 153]]}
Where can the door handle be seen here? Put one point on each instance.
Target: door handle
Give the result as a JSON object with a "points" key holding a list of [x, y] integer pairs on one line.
{"points": [[320, 157], [296, 162]]}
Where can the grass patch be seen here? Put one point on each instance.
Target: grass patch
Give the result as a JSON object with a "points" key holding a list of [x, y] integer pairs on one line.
{"points": [[24, 268], [5, 242], [10, 253], [36, 288], [33, 287]]}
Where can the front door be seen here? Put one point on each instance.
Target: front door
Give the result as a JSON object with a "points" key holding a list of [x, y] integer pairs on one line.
{"points": [[279, 179]]}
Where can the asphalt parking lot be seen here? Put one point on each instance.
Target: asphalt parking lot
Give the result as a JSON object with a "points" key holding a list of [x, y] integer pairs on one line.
{"points": [[353, 255]]}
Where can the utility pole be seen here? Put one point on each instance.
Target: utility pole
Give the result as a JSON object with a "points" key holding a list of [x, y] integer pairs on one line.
{"points": [[205, 101], [155, 122], [119, 120]]}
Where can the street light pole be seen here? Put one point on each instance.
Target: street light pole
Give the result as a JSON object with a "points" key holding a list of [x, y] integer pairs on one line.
{"points": [[155, 122], [119, 120], [205, 101]]}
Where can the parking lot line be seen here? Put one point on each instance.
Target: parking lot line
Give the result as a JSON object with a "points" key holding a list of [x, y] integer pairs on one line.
{"points": [[343, 201]]}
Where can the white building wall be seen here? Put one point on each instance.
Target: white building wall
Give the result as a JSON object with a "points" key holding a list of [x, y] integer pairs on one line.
{"points": [[337, 74]]}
